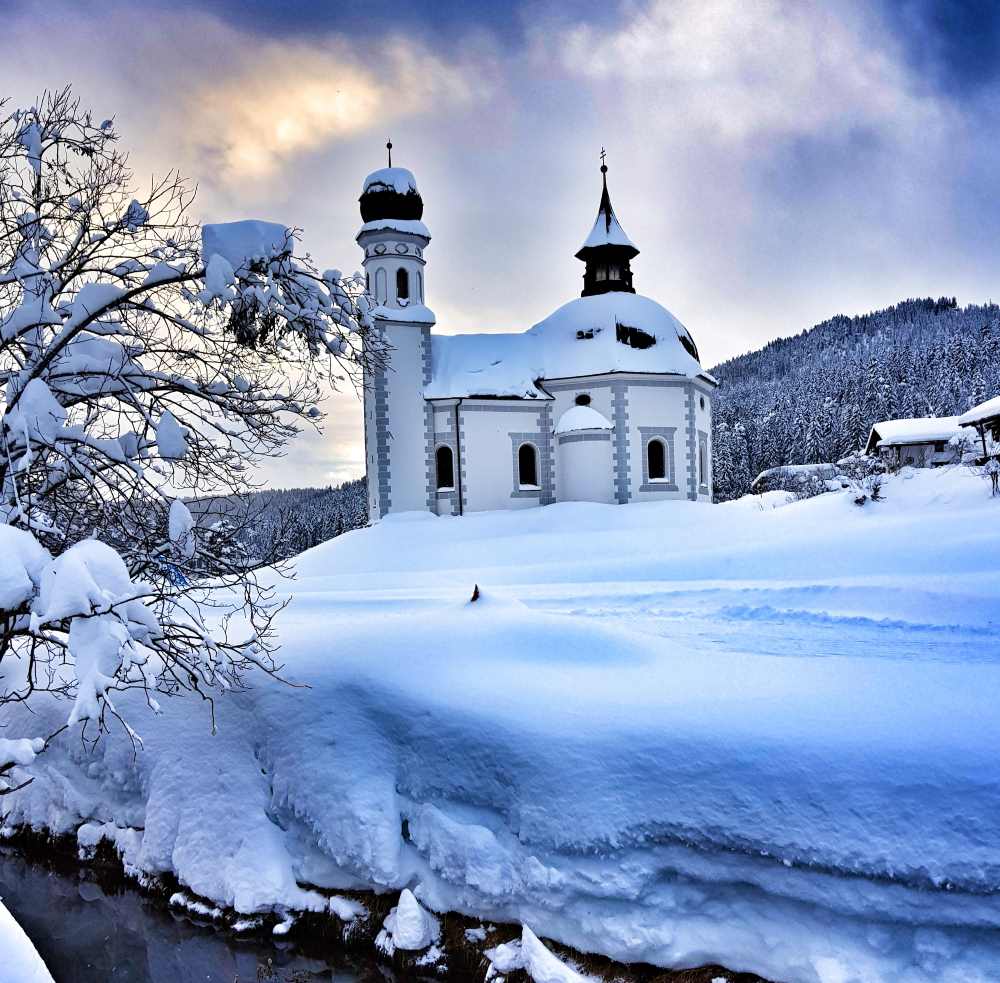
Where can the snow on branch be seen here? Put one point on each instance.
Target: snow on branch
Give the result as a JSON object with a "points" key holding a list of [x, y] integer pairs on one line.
{"points": [[145, 364]]}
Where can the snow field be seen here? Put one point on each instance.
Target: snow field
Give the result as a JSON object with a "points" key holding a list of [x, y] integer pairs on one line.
{"points": [[673, 733]]}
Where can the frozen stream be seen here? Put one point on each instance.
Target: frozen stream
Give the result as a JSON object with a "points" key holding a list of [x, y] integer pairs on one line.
{"points": [[87, 936]]}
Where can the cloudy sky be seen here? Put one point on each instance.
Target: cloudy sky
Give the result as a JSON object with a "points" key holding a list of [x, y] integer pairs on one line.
{"points": [[775, 162]]}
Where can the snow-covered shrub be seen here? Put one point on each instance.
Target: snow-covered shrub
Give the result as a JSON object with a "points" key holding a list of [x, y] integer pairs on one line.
{"points": [[866, 474], [143, 360]]}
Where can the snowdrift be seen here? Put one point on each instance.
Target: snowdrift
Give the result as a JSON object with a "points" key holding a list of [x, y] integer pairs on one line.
{"points": [[759, 736]]}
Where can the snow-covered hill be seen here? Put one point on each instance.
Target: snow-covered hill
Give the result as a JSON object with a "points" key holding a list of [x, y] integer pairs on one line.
{"points": [[764, 737]]}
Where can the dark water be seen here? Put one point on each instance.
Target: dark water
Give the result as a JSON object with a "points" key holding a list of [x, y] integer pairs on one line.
{"points": [[86, 935]]}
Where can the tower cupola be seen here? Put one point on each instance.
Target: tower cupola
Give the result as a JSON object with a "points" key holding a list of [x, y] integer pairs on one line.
{"points": [[607, 250], [393, 239], [391, 192]]}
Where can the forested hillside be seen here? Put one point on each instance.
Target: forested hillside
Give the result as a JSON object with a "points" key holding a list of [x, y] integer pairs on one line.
{"points": [[814, 396], [274, 524]]}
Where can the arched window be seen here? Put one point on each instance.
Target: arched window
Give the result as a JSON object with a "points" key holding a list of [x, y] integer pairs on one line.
{"points": [[701, 464], [402, 284], [656, 453], [583, 400], [420, 287], [445, 468], [527, 466], [380, 285]]}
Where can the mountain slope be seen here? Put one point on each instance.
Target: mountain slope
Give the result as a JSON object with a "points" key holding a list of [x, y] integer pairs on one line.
{"points": [[814, 396]]}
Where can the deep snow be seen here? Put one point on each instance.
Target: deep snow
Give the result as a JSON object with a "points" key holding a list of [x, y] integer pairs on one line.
{"points": [[19, 962], [764, 737]]}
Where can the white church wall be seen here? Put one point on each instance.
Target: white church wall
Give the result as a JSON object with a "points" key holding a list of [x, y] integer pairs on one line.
{"points": [[703, 435], [371, 445], [491, 433], [656, 409], [583, 467], [403, 476]]}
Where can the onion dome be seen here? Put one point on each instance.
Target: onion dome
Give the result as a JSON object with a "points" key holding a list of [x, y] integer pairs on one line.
{"points": [[391, 193], [607, 250]]}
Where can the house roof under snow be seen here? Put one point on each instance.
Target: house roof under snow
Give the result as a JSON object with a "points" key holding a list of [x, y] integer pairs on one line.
{"points": [[607, 333], [984, 411], [923, 430]]}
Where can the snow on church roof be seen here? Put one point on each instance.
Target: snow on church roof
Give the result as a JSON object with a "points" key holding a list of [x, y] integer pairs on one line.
{"points": [[588, 336], [484, 365], [397, 179], [984, 411], [582, 418], [607, 232]]}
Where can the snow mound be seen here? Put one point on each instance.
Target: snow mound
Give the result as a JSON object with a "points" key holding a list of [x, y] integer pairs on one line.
{"points": [[408, 926], [665, 732], [588, 336], [397, 179], [530, 955], [240, 243], [582, 418], [19, 961]]}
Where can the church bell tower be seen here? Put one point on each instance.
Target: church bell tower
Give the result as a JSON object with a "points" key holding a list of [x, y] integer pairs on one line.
{"points": [[393, 239], [607, 251]]}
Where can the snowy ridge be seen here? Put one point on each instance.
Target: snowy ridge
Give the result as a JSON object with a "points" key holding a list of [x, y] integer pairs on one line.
{"points": [[595, 751]]}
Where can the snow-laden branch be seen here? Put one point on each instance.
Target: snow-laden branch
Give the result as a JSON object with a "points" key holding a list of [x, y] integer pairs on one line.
{"points": [[144, 361]]}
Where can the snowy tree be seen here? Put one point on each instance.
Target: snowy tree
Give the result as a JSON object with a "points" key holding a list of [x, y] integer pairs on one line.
{"points": [[142, 358], [813, 397]]}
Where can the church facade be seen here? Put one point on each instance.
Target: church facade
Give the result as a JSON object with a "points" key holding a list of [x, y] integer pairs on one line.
{"points": [[603, 401]]}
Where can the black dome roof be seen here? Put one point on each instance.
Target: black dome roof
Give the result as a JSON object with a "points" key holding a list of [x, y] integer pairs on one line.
{"points": [[391, 193]]}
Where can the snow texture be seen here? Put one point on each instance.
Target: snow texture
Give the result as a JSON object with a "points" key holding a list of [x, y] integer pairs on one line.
{"points": [[240, 243], [667, 732], [180, 528], [408, 926], [607, 232], [410, 314], [171, 437], [530, 955], [983, 411], [582, 418], [578, 339], [916, 431], [397, 179], [19, 961], [411, 225]]}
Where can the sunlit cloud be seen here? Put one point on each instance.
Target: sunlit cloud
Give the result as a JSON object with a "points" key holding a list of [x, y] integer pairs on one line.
{"points": [[294, 98]]}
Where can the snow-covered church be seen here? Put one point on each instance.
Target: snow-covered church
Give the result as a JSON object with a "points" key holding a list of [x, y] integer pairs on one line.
{"points": [[603, 401]]}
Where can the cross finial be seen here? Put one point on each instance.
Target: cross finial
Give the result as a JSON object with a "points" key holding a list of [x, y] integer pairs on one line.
{"points": [[604, 167], [388, 146]]}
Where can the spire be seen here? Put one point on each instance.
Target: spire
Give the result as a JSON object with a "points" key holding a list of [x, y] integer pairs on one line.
{"points": [[388, 146], [607, 250]]}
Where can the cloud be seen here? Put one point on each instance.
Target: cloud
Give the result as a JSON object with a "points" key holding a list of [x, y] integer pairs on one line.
{"points": [[747, 70], [290, 98], [776, 162]]}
